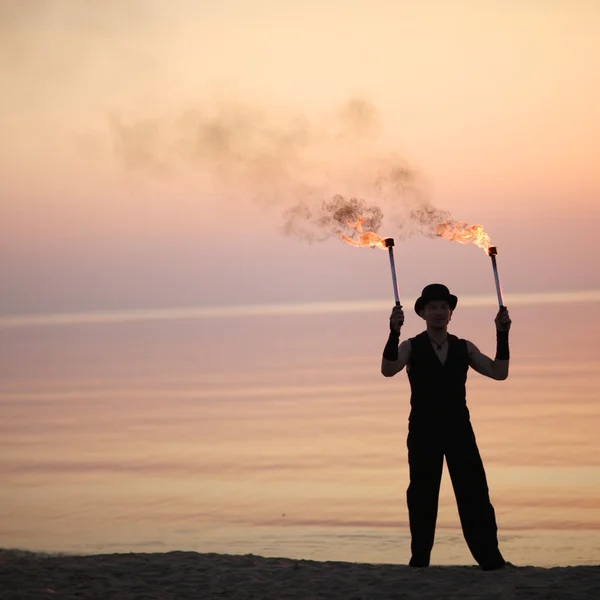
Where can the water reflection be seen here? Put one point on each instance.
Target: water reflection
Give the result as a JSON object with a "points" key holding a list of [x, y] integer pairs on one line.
{"points": [[155, 437]]}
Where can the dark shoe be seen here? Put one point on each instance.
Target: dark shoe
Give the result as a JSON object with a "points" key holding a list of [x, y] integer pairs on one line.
{"points": [[495, 566], [418, 563]]}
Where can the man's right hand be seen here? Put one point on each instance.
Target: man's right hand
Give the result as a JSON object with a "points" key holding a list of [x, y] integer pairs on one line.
{"points": [[397, 319]]}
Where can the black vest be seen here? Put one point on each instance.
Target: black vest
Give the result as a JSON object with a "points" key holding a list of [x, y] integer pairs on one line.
{"points": [[438, 392]]}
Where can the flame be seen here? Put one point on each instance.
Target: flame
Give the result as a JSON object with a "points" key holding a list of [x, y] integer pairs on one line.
{"points": [[460, 231], [367, 239]]}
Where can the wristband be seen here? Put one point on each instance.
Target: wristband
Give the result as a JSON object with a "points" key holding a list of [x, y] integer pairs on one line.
{"points": [[502, 351], [390, 352]]}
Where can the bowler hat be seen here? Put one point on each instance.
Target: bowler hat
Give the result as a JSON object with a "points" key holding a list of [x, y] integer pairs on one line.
{"points": [[435, 291]]}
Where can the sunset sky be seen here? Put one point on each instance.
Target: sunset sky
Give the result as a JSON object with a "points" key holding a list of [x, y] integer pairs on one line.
{"points": [[108, 202]]}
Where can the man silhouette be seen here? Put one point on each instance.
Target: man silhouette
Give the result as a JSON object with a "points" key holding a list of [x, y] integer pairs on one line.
{"points": [[439, 424]]}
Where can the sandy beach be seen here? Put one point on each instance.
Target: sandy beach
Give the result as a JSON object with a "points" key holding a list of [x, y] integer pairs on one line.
{"points": [[187, 575]]}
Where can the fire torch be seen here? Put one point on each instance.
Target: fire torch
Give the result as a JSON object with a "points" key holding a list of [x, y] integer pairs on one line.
{"points": [[369, 239], [459, 231]]}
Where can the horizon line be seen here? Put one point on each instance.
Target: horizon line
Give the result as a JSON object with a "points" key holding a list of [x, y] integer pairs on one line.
{"points": [[280, 309]]}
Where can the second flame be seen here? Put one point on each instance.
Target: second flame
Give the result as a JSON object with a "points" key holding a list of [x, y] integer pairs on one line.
{"points": [[460, 231]]}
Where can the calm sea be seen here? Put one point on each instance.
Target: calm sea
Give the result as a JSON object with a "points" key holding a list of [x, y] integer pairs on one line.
{"points": [[277, 435]]}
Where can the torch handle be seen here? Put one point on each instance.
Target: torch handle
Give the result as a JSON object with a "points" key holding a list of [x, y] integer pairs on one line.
{"points": [[497, 280], [394, 280]]}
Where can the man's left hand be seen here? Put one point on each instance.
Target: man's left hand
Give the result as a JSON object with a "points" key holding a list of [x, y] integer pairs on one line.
{"points": [[502, 320]]}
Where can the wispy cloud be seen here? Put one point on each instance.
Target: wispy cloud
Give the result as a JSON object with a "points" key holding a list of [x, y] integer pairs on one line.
{"points": [[264, 310]]}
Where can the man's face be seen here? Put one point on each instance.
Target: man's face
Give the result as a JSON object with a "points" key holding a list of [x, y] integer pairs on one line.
{"points": [[437, 314]]}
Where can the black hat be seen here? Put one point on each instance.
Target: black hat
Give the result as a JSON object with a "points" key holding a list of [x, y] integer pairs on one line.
{"points": [[435, 291]]}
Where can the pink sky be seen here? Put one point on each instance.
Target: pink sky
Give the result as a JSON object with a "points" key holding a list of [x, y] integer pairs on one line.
{"points": [[494, 103]]}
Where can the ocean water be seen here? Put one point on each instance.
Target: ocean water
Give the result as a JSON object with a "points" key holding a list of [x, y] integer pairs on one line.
{"points": [[277, 436]]}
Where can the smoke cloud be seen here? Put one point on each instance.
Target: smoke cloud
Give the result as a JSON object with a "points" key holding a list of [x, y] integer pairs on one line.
{"points": [[321, 172]]}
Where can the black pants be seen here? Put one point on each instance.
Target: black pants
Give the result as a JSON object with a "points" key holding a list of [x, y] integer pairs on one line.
{"points": [[427, 446]]}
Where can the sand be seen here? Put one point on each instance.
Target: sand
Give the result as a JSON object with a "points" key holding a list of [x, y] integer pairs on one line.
{"points": [[183, 575]]}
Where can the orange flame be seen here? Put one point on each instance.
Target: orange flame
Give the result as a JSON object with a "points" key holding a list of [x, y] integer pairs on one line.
{"points": [[367, 239], [459, 231]]}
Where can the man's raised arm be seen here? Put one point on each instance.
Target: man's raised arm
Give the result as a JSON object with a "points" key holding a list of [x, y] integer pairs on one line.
{"points": [[497, 368]]}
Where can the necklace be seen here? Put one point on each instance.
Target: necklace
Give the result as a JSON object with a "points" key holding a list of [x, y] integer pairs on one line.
{"points": [[439, 344]]}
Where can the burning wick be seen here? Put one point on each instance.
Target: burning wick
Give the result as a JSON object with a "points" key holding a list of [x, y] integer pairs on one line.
{"points": [[389, 242], [493, 252], [368, 239]]}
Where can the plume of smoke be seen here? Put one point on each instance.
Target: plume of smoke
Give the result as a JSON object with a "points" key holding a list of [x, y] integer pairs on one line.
{"points": [[426, 217], [235, 144], [332, 216], [322, 174]]}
